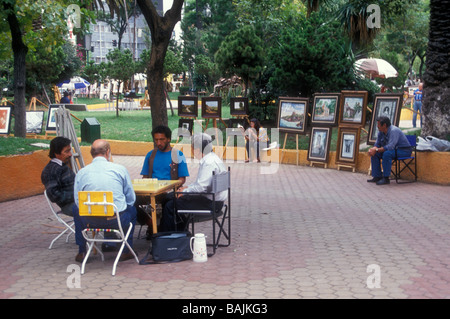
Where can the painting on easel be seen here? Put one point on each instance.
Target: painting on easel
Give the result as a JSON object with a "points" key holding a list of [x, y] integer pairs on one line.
{"points": [[34, 120], [5, 119], [347, 148], [211, 107], [187, 106], [292, 115], [238, 105], [51, 118], [325, 109], [319, 144], [353, 108]]}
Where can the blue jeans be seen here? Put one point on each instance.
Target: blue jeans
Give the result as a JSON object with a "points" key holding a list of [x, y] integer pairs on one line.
{"points": [[417, 108], [387, 157], [82, 222]]}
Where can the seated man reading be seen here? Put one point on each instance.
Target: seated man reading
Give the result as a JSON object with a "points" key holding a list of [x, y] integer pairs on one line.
{"points": [[163, 163], [389, 138], [209, 163]]}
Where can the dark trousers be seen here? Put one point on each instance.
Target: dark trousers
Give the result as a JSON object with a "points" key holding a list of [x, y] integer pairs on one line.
{"points": [[172, 222], [83, 222]]}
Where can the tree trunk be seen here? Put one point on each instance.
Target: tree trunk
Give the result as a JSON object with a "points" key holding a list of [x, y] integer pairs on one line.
{"points": [[161, 31], [20, 51], [436, 102]]}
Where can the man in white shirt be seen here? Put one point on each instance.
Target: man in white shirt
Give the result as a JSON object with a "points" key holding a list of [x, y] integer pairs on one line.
{"points": [[209, 163]]}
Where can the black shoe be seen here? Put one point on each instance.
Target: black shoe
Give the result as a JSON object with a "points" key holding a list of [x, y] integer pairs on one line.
{"points": [[383, 181], [373, 180]]}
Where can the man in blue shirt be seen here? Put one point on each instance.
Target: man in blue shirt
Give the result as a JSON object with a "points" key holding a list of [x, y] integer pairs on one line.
{"points": [[103, 175], [389, 138], [163, 163], [418, 94]]}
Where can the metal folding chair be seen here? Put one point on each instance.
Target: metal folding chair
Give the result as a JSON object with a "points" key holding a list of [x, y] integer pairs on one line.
{"points": [[100, 204], [68, 225], [220, 217], [400, 164]]}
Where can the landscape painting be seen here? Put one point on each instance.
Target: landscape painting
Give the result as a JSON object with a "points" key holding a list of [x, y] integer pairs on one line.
{"points": [[292, 115], [187, 106], [325, 109], [211, 107]]}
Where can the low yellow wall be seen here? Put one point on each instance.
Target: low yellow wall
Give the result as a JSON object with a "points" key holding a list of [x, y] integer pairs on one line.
{"points": [[20, 175]]}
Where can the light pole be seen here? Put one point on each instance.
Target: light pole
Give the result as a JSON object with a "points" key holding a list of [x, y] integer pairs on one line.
{"points": [[87, 44]]}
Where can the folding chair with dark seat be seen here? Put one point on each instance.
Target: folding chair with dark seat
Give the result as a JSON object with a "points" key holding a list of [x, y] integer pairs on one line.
{"points": [[220, 217], [68, 224], [101, 204], [400, 164]]}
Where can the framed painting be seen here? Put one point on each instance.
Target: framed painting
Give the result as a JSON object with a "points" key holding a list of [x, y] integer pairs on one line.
{"points": [[211, 107], [292, 114], [187, 106], [353, 108], [387, 104], [319, 144], [186, 125], [238, 106], [51, 118], [325, 109], [5, 119], [34, 121], [347, 147]]}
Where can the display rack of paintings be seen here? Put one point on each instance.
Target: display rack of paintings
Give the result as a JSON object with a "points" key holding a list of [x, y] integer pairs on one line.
{"points": [[385, 104], [292, 118], [5, 119]]}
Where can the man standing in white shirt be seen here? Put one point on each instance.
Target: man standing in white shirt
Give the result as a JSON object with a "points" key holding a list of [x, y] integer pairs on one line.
{"points": [[209, 163]]}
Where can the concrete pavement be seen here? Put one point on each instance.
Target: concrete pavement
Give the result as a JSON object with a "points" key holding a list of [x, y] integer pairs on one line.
{"points": [[303, 232]]}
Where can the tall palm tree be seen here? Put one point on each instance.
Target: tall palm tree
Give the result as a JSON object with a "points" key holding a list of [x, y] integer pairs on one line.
{"points": [[436, 103]]}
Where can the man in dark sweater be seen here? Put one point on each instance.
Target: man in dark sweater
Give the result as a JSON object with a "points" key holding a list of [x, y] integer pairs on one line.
{"points": [[57, 177]]}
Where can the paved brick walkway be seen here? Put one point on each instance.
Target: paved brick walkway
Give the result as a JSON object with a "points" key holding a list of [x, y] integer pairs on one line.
{"points": [[300, 233]]}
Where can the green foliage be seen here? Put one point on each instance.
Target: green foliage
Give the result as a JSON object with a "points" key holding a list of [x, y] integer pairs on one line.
{"points": [[311, 57], [241, 53], [120, 65]]}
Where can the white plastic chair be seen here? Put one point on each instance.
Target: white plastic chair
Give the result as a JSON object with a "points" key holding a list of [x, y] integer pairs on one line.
{"points": [[100, 204], [68, 225]]}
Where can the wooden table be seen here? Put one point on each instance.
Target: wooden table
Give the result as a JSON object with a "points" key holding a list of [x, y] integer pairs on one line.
{"points": [[153, 187]]}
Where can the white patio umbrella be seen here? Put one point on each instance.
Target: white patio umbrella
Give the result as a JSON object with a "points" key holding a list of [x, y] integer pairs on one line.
{"points": [[376, 68], [74, 83]]}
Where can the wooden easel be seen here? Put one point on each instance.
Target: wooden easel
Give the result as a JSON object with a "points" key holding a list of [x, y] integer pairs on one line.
{"points": [[352, 167], [284, 146], [237, 117], [64, 127], [312, 163], [214, 126]]}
